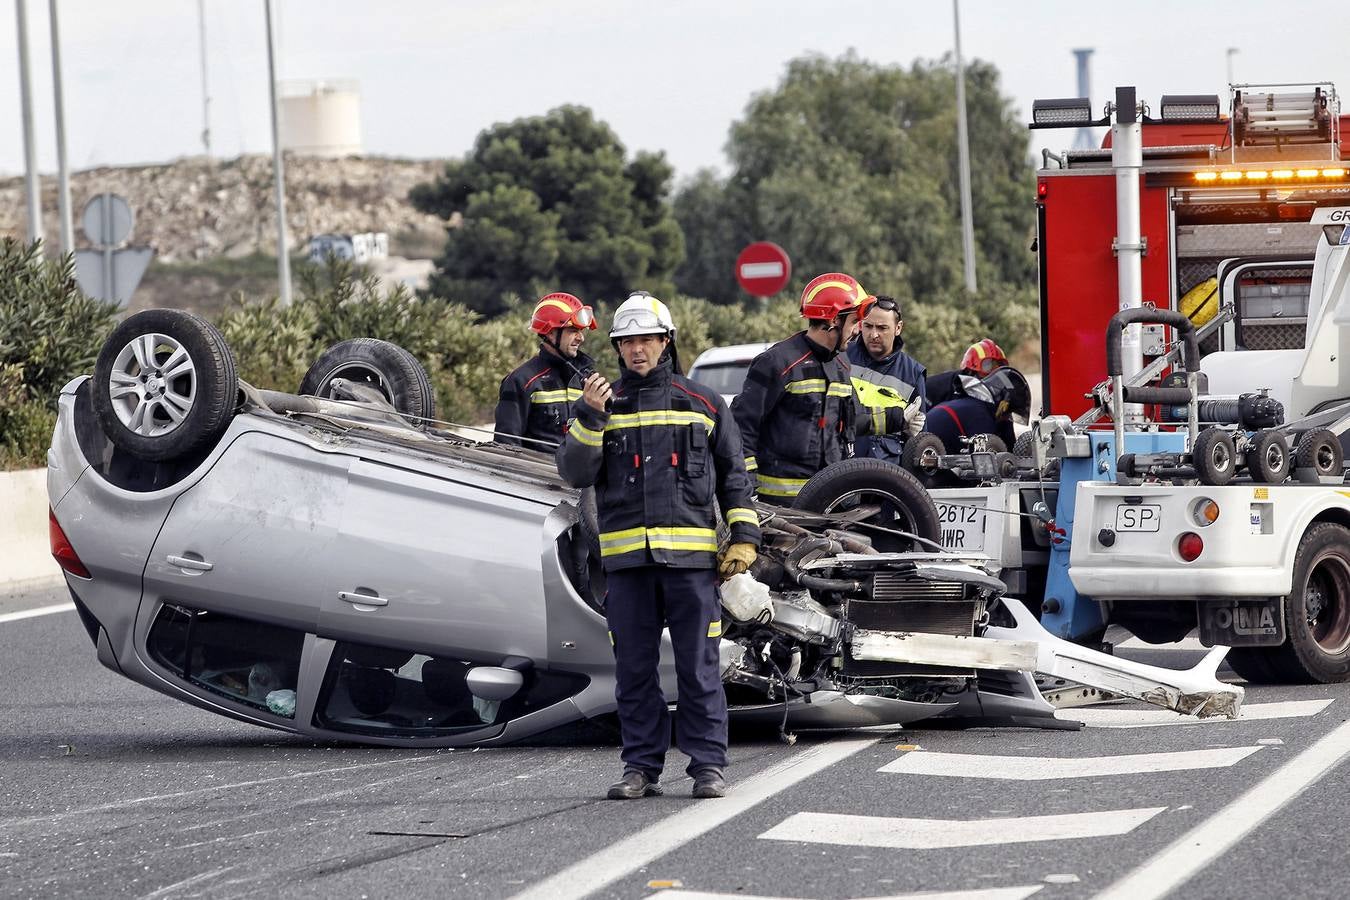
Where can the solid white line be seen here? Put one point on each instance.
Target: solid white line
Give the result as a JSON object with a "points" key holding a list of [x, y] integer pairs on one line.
{"points": [[1151, 718], [1200, 846], [1006, 893], [932, 834], [38, 611], [1045, 768], [614, 862]]}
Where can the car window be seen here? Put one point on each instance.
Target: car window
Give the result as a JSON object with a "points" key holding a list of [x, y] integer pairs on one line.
{"points": [[241, 660], [385, 691], [725, 378]]}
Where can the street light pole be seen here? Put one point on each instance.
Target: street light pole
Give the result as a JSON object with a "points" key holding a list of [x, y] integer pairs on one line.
{"points": [[963, 151], [32, 195], [62, 169], [1232, 51], [278, 170]]}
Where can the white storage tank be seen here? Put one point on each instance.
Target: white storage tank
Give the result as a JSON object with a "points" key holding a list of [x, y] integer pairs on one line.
{"points": [[321, 118]]}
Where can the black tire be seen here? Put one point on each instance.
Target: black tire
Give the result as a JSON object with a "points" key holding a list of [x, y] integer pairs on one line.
{"points": [[1317, 613], [1125, 465], [1268, 458], [1022, 446], [992, 443], [1254, 665], [905, 505], [1319, 450], [920, 458], [1214, 457], [387, 367], [167, 363]]}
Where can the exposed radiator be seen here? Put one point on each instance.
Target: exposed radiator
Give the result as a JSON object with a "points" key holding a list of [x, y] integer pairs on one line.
{"points": [[897, 586], [932, 616]]}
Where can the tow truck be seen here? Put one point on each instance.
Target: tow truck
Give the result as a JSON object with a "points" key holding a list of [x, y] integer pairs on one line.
{"points": [[1192, 474]]}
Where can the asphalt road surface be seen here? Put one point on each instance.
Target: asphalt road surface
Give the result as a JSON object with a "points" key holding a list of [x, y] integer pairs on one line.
{"points": [[112, 790]]}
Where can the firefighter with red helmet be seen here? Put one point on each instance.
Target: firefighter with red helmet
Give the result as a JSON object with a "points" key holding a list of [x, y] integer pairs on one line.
{"points": [[663, 454], [534, 401], [980, 359], [796, 411]]}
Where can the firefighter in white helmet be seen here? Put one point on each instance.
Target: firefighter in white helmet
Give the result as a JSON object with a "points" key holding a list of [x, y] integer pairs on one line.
{"points": [[660, 449]]}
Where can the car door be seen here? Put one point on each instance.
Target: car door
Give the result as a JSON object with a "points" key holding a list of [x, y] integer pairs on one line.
{"points": [[448, 565], [248, 539]]}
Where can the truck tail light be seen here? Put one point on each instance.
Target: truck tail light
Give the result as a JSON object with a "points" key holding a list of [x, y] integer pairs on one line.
{"points": [[64, 553], [1190, 546]]}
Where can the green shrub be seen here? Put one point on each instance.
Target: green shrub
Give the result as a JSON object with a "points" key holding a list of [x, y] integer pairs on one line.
{"points": [[50, 331]]}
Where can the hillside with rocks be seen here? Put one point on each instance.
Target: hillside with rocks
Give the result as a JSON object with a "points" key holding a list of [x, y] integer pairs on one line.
{"points": [[196, 209]]}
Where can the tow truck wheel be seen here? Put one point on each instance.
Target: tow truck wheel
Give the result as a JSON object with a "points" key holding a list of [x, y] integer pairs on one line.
{"points": [[921, 456], [897, 500], [1319, 450], [1268, 458], [1317, 614], [1022, 446], [1214, 456]]}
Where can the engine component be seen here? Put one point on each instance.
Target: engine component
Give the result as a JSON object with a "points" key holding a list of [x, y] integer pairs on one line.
{"points": [[797, 614]]}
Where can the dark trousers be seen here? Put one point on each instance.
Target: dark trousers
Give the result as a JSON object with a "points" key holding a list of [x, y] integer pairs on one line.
{"points": [[641, 602]]}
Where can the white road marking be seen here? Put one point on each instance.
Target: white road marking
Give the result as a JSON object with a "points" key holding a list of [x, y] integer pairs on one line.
{"points": [[1190, 642], [1200, 846], [1045, 768], [186, 882], [38, 611], [214, 789], [614, 862], [932, 834], [1007, 893], [1151, 718]]}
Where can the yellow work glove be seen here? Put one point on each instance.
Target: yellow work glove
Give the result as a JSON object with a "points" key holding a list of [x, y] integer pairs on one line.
{"points": [[736, 559]]}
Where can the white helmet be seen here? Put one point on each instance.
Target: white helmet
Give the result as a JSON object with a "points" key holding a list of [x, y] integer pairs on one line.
{"points": [[641, 313]]}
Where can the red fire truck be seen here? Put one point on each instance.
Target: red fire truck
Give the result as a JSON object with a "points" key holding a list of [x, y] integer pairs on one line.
{"points": [[1224, 202]]}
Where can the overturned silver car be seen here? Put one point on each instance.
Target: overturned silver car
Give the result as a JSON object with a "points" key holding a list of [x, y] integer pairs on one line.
{"points": [[336, 564]]}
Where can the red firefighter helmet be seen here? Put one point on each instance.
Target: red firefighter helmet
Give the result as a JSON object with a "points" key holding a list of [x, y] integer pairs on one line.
{"points": [[984, 357], [831, 295], [560, 310]]}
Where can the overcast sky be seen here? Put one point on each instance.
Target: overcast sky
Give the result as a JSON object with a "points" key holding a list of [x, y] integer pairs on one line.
{"points": [[667, 76]]}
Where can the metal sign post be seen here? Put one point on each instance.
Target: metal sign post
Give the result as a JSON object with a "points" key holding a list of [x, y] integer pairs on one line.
{"points": [[107, 272]]}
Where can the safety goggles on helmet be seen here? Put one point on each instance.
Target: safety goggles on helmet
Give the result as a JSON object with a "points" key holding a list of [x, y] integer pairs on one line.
{"points": [[984, 357], [641, 314], [561, 310]]}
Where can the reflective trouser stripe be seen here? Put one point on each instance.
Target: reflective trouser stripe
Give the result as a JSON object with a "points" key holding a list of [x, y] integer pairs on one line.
{"points": [[781, 487]]}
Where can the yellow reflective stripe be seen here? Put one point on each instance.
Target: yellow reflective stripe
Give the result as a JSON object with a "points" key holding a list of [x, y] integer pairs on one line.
{"points": [[840, 389], [878, 420], [614, 543], [750, 464], [855, 289], [806, 386], [715, 628], [585, 435], [781, 487], [562, 395], [650, 417], [741, 515]]}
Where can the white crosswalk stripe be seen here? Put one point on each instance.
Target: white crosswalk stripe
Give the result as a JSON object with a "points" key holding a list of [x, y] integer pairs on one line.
{"points": [[1005, 893], [1152, 718], [931, 834], [1045, 768]]}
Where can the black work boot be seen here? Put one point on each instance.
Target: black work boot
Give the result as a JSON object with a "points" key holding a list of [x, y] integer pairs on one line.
{"points": [[709, 784], [633, 785]]}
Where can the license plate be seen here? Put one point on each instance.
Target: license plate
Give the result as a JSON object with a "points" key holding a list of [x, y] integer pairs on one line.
{"points": [[1242, 623], [962, 526], [1138, 517]]}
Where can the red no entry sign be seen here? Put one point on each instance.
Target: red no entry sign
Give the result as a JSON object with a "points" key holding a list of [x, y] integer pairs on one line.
{"points": [[763, 269]]}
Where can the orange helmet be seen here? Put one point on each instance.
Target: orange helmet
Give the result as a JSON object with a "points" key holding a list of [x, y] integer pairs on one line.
{"points": [[831, 295], [984, 357], [560, 310]]}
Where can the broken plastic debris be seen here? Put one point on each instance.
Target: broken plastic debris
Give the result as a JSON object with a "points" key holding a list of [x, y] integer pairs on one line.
{"points": [[672, 883], [282, 702]]}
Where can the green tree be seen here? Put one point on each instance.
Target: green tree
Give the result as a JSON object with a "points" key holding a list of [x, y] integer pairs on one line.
{"points": [[552, 202], [852, 166]]}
